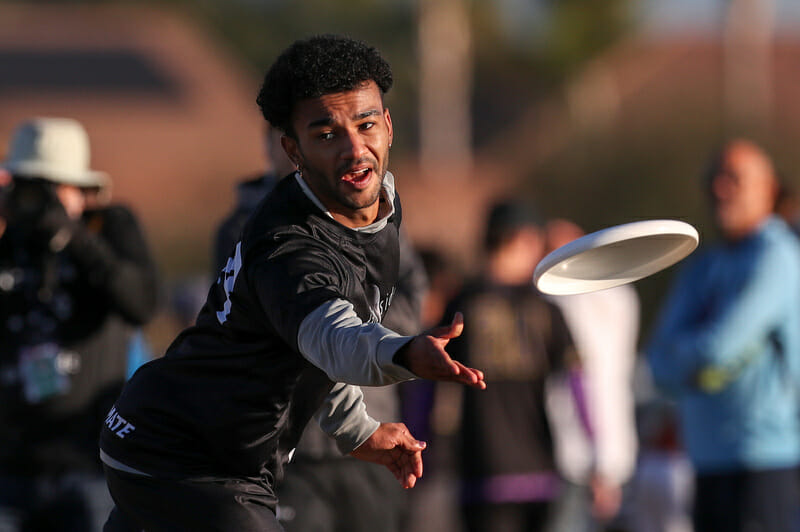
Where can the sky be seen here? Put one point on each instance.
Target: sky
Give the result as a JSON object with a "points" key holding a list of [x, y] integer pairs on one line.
{"points": [[668, 16], [658, 17]]}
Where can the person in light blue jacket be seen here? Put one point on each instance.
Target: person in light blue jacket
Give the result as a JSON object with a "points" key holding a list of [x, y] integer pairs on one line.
{"points": [[727, 346]]}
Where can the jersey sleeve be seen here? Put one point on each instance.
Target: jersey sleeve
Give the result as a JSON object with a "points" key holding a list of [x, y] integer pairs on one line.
{"points": [[291, 280]]}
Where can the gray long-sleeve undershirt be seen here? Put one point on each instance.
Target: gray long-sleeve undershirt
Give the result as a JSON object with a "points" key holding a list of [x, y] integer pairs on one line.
{"points": [[328, 338]]}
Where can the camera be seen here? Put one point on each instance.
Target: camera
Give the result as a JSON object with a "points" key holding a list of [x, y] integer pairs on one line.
{"points": [[28, 200]]}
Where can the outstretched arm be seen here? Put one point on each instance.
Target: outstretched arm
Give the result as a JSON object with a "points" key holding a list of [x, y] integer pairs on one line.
{"points": [[330, 335], [393, 446]]}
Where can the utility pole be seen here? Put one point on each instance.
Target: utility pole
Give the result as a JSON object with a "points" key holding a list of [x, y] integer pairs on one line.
{"points": [[445, 62], [747, 63]]}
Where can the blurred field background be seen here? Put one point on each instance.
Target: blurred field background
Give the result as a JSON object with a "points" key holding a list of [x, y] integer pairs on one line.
{"points": [[602, 111]]}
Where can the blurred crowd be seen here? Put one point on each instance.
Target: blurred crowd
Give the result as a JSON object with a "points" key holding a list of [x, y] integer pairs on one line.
{"points": [[586, 425]]}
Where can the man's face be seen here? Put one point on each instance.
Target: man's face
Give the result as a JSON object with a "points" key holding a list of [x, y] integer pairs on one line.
{"points": [[742, 191], [342, 149]]}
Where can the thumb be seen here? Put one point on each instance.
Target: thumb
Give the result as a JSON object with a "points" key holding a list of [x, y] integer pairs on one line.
{"points": [[405, 440], [453, 330], [410, 443]]}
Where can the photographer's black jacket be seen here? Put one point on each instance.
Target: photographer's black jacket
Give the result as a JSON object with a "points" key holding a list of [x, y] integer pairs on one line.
{"points": [[84, 302]]}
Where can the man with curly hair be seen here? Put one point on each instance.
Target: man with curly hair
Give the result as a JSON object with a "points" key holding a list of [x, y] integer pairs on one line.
{"points": [[198, 439]]}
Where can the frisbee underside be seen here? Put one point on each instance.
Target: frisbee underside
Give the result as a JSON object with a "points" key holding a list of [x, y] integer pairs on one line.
{"points": [[615, 256]]}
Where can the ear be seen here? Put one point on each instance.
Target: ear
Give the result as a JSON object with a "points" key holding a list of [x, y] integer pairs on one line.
{"points": [[388, 119], [292, 149]]}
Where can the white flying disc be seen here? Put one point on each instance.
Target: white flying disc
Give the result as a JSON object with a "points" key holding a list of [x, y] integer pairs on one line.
{"points": [[614, 256]]}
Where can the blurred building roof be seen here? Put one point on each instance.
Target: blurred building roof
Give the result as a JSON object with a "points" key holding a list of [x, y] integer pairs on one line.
{"points": [[646, 84]]}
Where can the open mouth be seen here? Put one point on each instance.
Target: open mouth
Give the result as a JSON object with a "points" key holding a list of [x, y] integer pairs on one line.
{"points": [[358, 178]]}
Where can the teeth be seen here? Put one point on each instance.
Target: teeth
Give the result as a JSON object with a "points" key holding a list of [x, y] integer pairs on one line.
{"points": [[357, 175]]}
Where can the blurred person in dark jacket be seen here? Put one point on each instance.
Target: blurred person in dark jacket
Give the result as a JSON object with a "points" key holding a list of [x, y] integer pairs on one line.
{"points": [[74, 285], [508, 470], [249, 193]]}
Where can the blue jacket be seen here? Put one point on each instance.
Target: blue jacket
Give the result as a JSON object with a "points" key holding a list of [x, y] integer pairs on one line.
{"points": [[727, 345]]}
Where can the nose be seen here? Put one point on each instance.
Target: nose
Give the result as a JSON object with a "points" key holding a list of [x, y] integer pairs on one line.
{"points": [[353, 146]]}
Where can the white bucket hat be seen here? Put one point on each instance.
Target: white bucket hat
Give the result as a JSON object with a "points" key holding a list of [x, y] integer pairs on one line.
{"points": [[53, 149]]}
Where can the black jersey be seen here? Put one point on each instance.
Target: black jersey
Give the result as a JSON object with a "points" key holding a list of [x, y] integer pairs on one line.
{"points": [[232, 394]]}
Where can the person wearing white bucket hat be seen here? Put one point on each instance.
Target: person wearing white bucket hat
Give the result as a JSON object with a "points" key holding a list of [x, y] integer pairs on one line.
{"points": [[48, 160], [75, 284]]}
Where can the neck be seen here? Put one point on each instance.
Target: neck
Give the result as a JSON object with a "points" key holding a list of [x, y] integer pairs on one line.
{"points": [[357, 218], [508, 271], [352, 219]]}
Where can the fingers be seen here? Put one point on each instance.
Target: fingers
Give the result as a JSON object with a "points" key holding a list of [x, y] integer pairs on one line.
{"points": [[453, 370], [406, 467], [469, 372], [412, 457], [469, 376], [410, 469], [403, 454], [394, 447]]}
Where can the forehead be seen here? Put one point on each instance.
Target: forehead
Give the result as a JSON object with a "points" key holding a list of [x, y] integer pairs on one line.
{"points": [[750, 168], [338, 106], [743, 158]]}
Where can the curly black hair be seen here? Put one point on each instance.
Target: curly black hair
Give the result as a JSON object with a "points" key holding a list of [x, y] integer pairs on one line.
{"points": [[313, 67]]}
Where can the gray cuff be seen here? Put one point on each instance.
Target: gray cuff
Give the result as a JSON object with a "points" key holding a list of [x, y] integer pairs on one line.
{"points": [[352, 440], [343, 416], [387, 348]]}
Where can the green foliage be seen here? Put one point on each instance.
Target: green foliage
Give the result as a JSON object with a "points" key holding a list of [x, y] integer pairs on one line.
{"points": [[580, 29], [572, 32]]}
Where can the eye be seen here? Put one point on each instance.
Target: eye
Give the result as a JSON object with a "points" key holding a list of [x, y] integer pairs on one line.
{"points": [[326, 135], [367, 125]]}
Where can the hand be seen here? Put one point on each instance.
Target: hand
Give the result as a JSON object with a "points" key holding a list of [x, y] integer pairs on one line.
{"points": [[55, 228], [425, 356], [393, 446]]}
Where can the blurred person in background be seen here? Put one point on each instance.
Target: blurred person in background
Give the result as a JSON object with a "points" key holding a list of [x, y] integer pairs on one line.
{"points": [[662, 489], [249, 193], [605, 328], [508, 474], [727, 345], [324, 490], [73, 288]]}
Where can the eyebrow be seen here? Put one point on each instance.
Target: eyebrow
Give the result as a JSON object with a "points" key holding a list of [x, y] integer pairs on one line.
{"points": [[329, 120]]}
